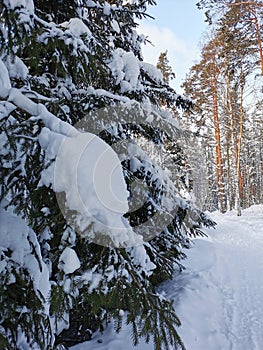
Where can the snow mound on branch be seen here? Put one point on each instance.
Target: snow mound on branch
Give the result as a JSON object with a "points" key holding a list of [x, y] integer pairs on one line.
{"points": [[129, 2], [140, 258], [21, 242], [69, 261], [115, 26], [4, 76], [90, 174], [16, 68], [125, 68], [13, 4], [77, 27], [153, 72], [24, 9], [86, 169]]}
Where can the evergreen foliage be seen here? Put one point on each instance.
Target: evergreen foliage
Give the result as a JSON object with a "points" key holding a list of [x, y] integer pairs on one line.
{"points": [[62, 59], [165, 68], [226, 89]]}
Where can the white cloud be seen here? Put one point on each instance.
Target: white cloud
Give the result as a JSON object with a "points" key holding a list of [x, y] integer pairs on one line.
{"points": [[180, 54], [162, 39]]}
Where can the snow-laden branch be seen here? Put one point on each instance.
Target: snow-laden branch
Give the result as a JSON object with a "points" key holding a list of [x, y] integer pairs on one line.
{"points": [[81, 161], [16, 97]]}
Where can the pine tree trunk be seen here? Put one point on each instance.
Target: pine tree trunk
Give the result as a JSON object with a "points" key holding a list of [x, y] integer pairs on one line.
{"points": [[239, 174], [229, 192], [258, 39], [219, 162]]}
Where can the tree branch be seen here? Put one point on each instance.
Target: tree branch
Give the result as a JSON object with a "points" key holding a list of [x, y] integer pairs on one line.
{"points": [[245, 3]]}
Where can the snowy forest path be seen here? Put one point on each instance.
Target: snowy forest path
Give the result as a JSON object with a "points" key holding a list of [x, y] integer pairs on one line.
{"points": [[219, 296], [221, 299]]}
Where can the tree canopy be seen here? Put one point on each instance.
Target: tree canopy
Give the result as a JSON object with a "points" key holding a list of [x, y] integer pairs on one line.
{"points": [[66, 70]]}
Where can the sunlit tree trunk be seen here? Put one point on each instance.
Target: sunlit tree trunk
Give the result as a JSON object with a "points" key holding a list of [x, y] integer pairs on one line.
{"points": [[217, 134], [229, 188], [239, 196], [259, 42]]}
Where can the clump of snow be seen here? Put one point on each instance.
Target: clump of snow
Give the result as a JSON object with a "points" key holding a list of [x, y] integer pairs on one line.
{"points": [[3, 141], [92, 278], [77, 27], [153, 72], [131, 69], [5, 109], [16, 68], [74, 33], [129, 2], [116, 65], [69, 261], [25, 11], [115, 26], [21, 241], [121, 313], [50, 141], [90, 174], [4, 77], [125, 67], [141, 258], [13, 4], [106, 9]]}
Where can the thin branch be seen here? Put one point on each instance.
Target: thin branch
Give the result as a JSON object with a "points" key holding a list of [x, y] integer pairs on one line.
{"points": [[246, 3]]}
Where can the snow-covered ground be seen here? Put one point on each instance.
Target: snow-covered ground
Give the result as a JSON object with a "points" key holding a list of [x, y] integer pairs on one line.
{"points": [[219, 297]]}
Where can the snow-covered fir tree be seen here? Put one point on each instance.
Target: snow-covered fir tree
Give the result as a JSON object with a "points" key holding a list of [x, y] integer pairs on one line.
{"points": [[62, 63]]}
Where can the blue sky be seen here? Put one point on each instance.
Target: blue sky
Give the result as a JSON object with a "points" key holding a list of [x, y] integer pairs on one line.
{"points": [[178, 27]]}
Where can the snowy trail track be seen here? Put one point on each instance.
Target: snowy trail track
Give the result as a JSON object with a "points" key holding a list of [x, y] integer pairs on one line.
{"points": [[221, 299]]}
